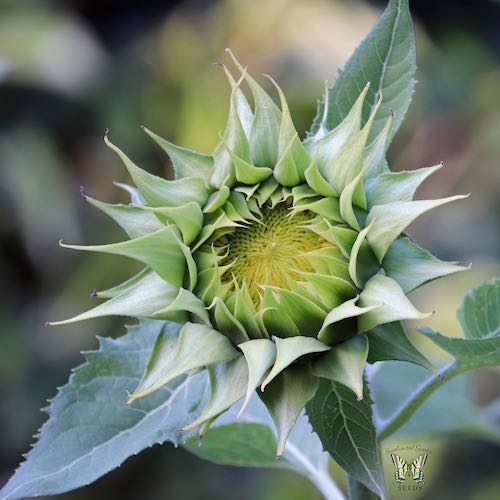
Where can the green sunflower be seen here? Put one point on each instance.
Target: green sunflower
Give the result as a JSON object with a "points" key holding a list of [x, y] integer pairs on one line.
{"points": [[285, 260]]}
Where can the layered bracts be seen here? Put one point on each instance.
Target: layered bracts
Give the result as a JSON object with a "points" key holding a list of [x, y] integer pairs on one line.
{"points": [[286, 260]]}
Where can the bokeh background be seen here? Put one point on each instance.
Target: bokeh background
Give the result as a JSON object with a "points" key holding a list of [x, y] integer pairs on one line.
{"points": [[71, 68]]}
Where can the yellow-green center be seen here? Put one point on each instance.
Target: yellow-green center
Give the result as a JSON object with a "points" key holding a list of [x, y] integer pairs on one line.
{"points": [[271, 251]]}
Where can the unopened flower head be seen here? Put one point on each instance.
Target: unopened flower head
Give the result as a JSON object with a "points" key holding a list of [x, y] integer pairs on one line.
{"points": [[280, 257]]}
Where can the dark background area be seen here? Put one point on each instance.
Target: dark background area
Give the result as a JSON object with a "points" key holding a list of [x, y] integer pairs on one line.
{"points": [[70, 69]]}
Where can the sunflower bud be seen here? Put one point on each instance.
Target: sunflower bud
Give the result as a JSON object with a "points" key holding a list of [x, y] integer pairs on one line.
{"points": [[279, 256]]}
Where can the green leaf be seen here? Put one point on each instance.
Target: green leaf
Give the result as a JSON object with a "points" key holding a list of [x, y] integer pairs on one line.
{"points": [[90, 431], [251, 441], [347, 431], [449, 410], [479, 312], [386, 58], [469, 353], [358, 491]]}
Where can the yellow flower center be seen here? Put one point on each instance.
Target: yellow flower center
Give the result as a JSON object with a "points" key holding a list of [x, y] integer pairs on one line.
{"points": [[271, 251]]}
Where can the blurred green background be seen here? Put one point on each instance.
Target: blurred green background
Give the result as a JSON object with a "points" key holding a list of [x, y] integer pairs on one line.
{"points": [[69, 69]]}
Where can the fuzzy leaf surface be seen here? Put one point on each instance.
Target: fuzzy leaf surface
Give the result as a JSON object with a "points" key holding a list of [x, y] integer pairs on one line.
{"points": [[386, 58], [347, 431], [90, 431]]}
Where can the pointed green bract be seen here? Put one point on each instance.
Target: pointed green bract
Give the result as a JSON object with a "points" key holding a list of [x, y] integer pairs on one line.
{"points": [[290, 349], [159, 192], [228, 383], [286, 397], [390, 301], [393, 218], [196, 347], [260, 355], [345, 363], [134, 221], [142, 297], [412, 266], [186, 162], [160, 250]]}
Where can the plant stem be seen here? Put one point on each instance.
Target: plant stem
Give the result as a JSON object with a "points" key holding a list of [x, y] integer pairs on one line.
{"points": [[318, 476], [413, 403]]}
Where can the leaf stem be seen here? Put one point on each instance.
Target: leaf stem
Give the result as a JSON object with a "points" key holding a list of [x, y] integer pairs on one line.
{"points": [[413, 403], [318, 476]]}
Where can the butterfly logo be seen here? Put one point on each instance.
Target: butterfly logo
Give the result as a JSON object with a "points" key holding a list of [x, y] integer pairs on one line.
{"points": [[416, 468]]}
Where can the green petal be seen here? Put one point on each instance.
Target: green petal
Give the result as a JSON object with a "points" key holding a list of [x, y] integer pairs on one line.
{"points": [[332, 290], [341, 317], [188, 218], [362, 262], [412, 266], [290, 349], [374, 161], [116, 290], [217, 199], [305, 314], [247, 173], [185, 301], [292, 164], [346, 201], [243, 109], [344, 238], [393, 218], [160, 250], [134, 221], [345, 363], [245, 312], [396, 186], [341, 168], [227, 323], [196, 347], [316, 180], [228, 382], [141, 296], [390, 342], [159, 192], [234, 139], [260, 355], [285, 398], [329, 260], [331, 143], [326, 207], [186, 162], [264, 135], [393, 305]]}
